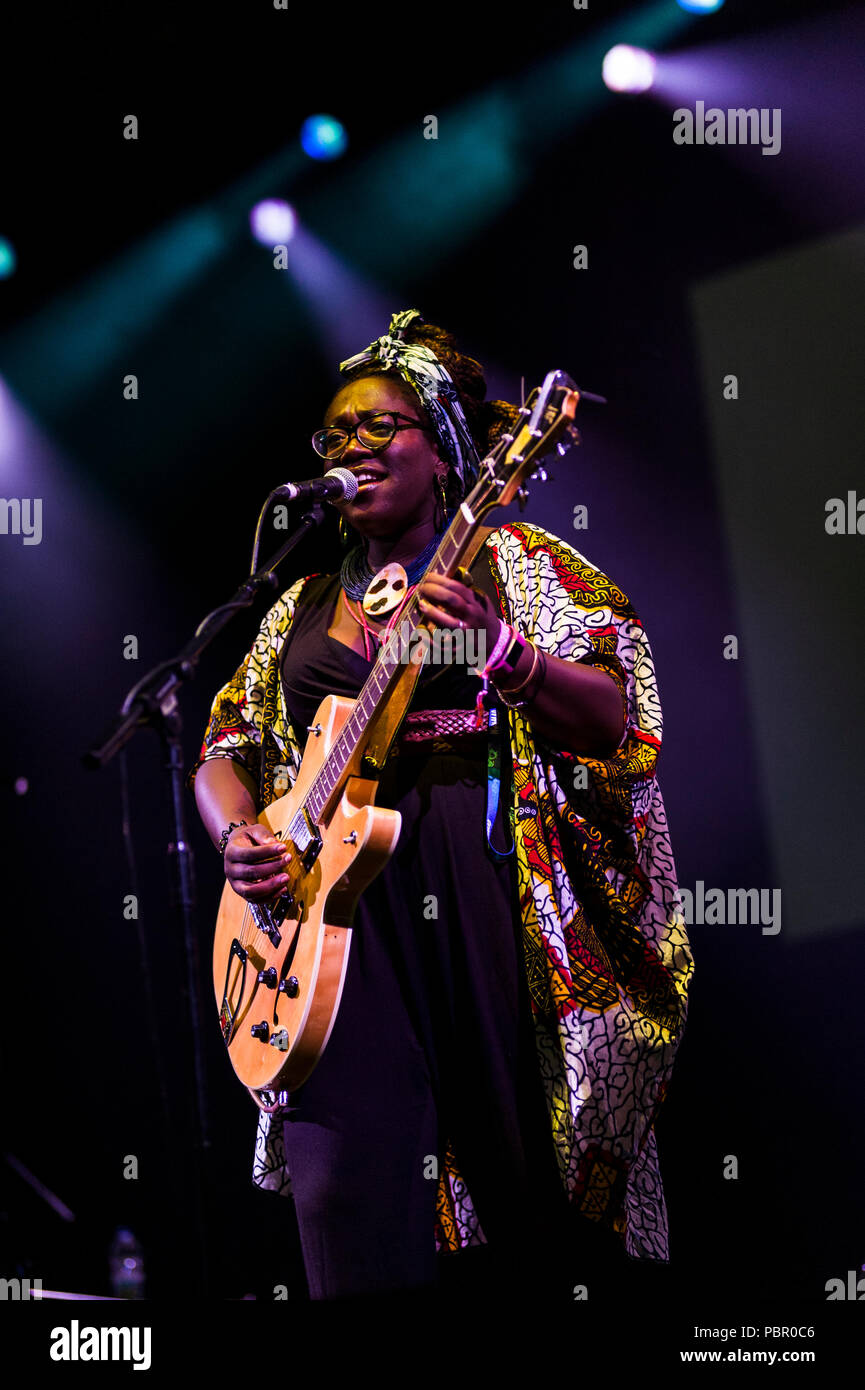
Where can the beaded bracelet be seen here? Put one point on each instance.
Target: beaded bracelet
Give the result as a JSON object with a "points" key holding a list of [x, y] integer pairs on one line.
{"points": [[223, 839]]}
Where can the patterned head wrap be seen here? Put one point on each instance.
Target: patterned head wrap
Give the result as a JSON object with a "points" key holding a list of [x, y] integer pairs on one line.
{"points": [[421, 369]]}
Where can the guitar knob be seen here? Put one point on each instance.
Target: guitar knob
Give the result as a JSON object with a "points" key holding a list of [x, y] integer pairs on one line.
{"points": [[289, 987], [268, 977], [260, 1031]]}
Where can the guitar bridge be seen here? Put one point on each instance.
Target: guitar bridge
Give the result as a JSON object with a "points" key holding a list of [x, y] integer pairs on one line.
{"points": [[264, 920], [281, 909]]}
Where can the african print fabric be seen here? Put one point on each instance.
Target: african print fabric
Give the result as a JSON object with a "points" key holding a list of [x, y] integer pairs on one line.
{"points": [[423, 371], [607, 956]]}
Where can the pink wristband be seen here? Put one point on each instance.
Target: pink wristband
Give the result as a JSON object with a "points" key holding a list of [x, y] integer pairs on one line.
{"points": [[506, 636]]}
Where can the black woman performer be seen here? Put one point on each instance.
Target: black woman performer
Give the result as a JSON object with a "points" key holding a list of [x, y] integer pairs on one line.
{"points": [[517, 979]]}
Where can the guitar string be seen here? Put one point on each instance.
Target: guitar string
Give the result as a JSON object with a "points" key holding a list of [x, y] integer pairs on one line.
{"points": [[342, 742], [342, 745]]}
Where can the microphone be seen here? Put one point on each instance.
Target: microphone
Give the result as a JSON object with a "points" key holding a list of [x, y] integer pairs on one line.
{"points": [[336, 484]]}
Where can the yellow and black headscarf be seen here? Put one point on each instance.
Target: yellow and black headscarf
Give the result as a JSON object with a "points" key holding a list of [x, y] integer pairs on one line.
{"points": [[420, 367]]}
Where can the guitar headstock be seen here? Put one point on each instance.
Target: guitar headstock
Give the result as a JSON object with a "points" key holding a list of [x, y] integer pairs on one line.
{"points": [[547, 425]]}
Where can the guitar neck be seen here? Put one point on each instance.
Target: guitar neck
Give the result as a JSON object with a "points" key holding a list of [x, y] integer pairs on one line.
{"points": [[546, 419], [377, 685]]}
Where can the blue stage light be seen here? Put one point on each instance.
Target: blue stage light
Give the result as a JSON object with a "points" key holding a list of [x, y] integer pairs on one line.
{"points": [[700, 6], [323, 137], [8, 259]]}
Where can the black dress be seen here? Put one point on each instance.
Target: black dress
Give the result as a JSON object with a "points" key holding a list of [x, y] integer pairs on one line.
{"points": [[433, 1041]]}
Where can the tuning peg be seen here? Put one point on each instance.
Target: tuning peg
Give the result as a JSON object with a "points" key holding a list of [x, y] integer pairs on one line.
{"points": [[522, 498]]}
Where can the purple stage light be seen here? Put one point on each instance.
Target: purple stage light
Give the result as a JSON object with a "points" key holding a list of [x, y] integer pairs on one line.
{"points": [[348, 309], [272, 221], [807, 79]]}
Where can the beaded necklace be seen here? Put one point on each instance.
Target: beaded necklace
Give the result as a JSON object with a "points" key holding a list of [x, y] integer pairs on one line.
{"points": [[355, 575]]}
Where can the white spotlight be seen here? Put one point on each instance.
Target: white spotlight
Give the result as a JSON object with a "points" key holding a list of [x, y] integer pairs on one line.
{"points": [[628, 69], [272, 221]]}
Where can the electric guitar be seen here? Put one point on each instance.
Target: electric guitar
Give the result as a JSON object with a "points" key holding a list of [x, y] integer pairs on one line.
{"points": [[279, 965]]}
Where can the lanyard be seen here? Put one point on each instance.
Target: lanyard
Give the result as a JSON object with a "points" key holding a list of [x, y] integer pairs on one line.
{"points": [[494, 784]]}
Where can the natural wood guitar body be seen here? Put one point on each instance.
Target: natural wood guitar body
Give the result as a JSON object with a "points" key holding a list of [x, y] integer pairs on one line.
{"points": [[297, 1002]]}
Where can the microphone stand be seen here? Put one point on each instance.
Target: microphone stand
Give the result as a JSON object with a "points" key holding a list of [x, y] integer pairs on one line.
{"points": [[153, 701]]}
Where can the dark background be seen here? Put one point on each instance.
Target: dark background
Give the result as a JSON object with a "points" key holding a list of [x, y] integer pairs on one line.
{"points": [[701, 262]]}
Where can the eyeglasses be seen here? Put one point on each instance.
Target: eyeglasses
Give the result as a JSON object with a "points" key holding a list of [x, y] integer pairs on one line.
{"points": [[374, 433]]}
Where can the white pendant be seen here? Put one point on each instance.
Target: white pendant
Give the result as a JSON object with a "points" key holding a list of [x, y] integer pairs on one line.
{"points": [[386, 591]]}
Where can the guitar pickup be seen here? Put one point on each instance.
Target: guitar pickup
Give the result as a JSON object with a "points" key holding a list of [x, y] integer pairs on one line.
{"points": [[304, 835], [313, 846]]}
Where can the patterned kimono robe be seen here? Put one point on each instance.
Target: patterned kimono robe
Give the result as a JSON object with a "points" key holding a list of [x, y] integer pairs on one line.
{"points": [[606, 952]]}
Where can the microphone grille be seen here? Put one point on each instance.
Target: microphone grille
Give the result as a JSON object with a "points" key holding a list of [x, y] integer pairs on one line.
{"points": [[347, 478]]}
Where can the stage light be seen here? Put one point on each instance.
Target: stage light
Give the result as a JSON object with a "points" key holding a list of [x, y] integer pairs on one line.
{"points": [[272, 222], [345, 307], [627, 69], [700, 6], [7, 258], [323, 137]]}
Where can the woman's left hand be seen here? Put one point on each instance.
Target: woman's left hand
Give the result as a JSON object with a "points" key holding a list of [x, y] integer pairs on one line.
{"points": [[455, 603]]}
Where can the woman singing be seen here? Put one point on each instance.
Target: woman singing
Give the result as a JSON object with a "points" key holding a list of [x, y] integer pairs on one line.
{"points": [[516, 985]]}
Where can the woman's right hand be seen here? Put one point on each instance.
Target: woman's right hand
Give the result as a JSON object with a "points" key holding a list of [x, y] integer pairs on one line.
{"points": [[255, 862]]}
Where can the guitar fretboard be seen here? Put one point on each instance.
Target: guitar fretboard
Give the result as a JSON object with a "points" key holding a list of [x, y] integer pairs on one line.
{"points": [[377, 683], [499, 475]]}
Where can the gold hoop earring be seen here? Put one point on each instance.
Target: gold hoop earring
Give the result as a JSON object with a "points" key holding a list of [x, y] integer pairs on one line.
{"points": [[441, 512], [344, 532]]}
